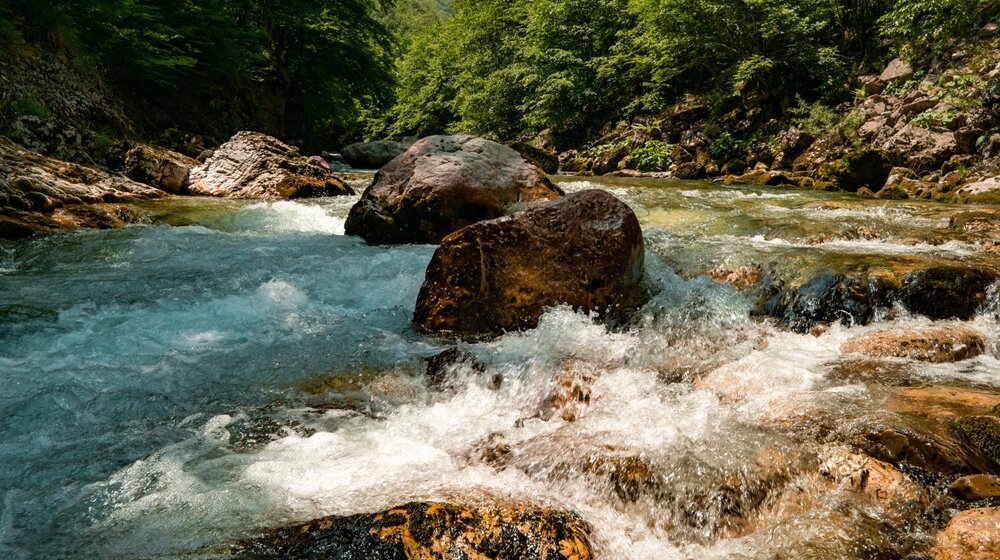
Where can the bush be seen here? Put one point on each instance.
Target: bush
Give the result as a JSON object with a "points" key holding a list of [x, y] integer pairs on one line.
{"points": [[931, 24], [654, 155], [30, 106]]}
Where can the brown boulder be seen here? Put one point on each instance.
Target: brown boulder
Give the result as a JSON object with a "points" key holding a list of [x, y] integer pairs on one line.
{"points": [[935, 344], [971, 535], [254, 165], [880, 482], [158, 167], [442, 184], [584, 250], [741, 277], [426, 530]]}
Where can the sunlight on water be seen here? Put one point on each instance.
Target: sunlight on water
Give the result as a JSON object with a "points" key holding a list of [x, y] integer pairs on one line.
{"points": [[169, 390]]}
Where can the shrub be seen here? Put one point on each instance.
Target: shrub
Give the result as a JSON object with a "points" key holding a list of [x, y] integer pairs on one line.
{"points": [[654, 155]]}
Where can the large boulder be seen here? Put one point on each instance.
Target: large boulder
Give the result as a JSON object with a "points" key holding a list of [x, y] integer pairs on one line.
{"points": [[254, 165], [829, 298], [442, 184], [498, 531], [159, 167], [372, 155], [584, 250]]}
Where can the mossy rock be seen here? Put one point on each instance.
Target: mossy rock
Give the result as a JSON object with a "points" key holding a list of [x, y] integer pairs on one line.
{"points": [[548, 161], [983, 432], [859, 168]]}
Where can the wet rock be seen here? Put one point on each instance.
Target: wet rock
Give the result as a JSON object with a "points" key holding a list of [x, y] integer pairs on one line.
{"points": [[977, 221], [970, 535], [763, 177], [546, 160], [946, 292], [496, 531], [441, 368], [935, 344], [931, 447], [160, 168], [372, 155], [827, 299], [42, 194], [860, 233], [975, 487], [742, 278], [443, 184], [570, 394], [254, 165], [878, 481], [584, 250]]}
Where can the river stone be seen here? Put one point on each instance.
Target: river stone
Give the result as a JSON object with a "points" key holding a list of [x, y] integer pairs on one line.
{"points": [[426, 530], [970, 535], [584, 250], [254, 165], [372, 155], [983, 432], [946, 292], [975, 487], [159, 167], [442, 184], [878, 481], [829, 298], [935, 344]]}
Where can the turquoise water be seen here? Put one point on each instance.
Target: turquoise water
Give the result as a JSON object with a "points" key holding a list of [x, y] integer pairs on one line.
{"points": [[169, 388]]}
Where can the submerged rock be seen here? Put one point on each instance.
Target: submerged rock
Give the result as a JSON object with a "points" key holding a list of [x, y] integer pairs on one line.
{"points": [[584, 250], [159, 167], [425, 530], [970, 535], [936, 344], [442, 184], [372, 155], [254, 165]]}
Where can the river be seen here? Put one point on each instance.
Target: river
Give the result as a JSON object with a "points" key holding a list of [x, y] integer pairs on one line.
{"points": [[171, 387]]}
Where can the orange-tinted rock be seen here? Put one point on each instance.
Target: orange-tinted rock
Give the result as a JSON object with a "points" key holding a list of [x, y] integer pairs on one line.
{"points": [[429, 530], [570, 393], [971, 535], [935, 344], [975, 487], [584, 250], [442, 184], [741, 277], [880, 482]]}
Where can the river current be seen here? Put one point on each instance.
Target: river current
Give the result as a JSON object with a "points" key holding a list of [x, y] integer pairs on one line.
{"points": [[228, 367]]}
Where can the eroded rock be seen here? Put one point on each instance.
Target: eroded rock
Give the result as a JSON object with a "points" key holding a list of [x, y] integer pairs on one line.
{"points": [[254, 165], [584, 250], [158, 167], [970, 535], [442, 184]]}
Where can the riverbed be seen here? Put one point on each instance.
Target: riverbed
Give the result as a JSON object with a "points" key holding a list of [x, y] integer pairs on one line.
{"points": [[173, 387]]}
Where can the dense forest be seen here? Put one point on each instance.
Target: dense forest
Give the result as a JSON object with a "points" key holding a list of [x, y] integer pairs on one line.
{"points": [[326, 72]]}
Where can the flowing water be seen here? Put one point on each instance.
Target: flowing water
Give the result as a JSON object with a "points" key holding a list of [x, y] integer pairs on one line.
{"points": [[229, 367]]}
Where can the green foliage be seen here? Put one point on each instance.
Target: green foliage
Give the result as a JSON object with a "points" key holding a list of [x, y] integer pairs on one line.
{"points": [[934, 119], [654, 155], [819, 120], [726, 147], [931, 24], [31, 107]]}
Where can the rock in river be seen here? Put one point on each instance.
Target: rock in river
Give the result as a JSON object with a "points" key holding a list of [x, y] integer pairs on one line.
{"points": [[947, 291], [372, 155], [498, 531], [442, 184], [584, 250], [254, 165], [159, 167], [936, 344]]}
